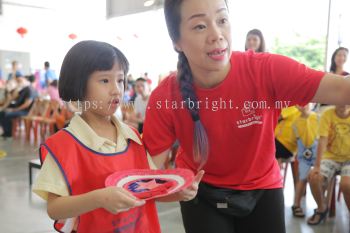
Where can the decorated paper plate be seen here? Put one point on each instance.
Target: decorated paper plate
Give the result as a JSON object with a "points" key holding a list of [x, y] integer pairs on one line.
{"points": [[148, 184]]}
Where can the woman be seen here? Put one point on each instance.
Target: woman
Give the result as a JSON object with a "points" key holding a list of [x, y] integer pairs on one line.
{"points": [[255, 41], [214, 106], [339, 58]]}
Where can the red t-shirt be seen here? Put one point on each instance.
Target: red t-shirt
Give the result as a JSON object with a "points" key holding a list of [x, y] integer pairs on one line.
{"points": [[241, 137]]}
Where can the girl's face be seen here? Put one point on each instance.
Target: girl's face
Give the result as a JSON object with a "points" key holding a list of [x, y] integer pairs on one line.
{"points": [[342, 110], [340, 58], [253, 42], [104, 91], [205, 34]]}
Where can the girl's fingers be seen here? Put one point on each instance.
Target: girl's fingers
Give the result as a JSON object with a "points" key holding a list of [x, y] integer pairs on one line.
{"points": [[131, 200], [126, 193]]}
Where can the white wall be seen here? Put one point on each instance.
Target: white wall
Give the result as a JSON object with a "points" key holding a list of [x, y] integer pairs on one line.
{"points": [[48, 29]]}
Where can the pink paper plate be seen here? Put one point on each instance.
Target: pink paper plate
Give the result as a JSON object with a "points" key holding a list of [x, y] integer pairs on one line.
{"points": [[148, 184]]}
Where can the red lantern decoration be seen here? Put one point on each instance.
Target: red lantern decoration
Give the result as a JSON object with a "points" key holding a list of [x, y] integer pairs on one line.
{"points": [[72, 36], [22, 31]]}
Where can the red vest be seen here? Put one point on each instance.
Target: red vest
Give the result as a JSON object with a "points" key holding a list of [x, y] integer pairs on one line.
{"points": [[85, 170]]}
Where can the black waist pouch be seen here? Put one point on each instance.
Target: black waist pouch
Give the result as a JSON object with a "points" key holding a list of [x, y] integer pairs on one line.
{"points": [[238, 203]]}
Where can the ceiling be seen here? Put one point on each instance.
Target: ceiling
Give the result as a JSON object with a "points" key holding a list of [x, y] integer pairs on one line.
{"points": [[117, 8], [42, 4], [114, 8]]}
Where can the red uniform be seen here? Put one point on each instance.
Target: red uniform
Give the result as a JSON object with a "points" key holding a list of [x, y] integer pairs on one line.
{"points": [[239, 115], [85, 170]]}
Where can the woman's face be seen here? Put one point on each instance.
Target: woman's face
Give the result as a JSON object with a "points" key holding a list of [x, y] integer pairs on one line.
{"points": [[253, 42], [340, 58], [342, 109], [205, 34]]}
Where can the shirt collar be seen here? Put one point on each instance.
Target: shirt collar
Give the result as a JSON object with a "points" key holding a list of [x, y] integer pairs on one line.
{"points": [[88, 137]]}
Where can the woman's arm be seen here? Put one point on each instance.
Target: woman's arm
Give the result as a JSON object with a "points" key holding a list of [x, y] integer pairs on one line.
{"points": [[112, 199], [333, 89], [160, 159]]}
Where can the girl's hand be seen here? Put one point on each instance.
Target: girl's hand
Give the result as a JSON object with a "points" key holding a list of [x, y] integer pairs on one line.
{"points": [[191, 192], [116, 200]]}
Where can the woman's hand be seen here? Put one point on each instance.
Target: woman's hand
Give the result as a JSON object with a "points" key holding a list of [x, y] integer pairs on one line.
{"points": [[116, 200], [191, 192], [186, 194]]}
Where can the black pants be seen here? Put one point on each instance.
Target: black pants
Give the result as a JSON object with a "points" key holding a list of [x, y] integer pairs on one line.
{"points": [[267, 217], [6, 121]]}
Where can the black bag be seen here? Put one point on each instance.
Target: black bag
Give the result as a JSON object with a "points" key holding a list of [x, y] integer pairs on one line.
{"points": [[238, 203]]}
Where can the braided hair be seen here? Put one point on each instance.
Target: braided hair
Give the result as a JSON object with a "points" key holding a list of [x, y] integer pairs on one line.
{"points": [[185, 78], [200, 138]]}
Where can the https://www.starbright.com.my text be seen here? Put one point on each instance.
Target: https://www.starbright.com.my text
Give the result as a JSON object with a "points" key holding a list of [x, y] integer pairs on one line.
{"points": [[212, 105]]}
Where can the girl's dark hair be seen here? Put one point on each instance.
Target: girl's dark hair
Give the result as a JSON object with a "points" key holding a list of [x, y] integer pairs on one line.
{"points": [[81, 61], [333, 67], [259, 34], [172, 14]]}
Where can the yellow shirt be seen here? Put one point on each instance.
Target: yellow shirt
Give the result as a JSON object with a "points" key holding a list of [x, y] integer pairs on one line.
{"points": [[338, 132], [284, 130], [50, 178], [306, 129]]}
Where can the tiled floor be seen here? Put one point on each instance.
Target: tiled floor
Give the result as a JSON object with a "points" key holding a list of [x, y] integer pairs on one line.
{"points": [[20, 211]]}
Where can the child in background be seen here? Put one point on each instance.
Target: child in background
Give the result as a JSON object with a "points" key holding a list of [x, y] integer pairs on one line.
{"points": [[285, 140], [333, 157], [143, 92], [305, 129], [77, 160], [52, 91]]}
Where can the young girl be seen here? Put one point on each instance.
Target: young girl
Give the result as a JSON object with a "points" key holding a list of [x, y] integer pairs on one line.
{"points": [[333, 157], [77, 159], [241, 190], [285, 141], [305, 129]]}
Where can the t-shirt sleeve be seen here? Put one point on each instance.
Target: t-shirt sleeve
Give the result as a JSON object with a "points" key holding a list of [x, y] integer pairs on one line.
{"points": [[293, 81], [325, 124], [50, 180], [158, 129]]}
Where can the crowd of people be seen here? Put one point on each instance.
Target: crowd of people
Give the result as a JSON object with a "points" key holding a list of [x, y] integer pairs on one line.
{"points": [[317, 138]]}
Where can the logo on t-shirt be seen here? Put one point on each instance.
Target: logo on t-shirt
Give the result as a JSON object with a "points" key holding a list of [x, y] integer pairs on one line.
{"points": [[249, 118]]}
